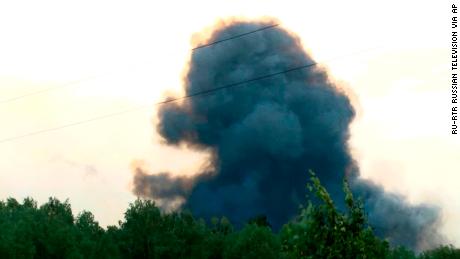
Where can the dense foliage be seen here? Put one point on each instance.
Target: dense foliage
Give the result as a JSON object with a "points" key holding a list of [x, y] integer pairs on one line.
{"points": [[320, 231]]}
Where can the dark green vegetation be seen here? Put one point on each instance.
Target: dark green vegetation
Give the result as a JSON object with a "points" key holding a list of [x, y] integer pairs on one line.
{"points": [[320, 231]]}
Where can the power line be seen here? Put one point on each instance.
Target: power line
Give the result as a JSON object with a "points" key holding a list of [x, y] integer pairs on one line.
{"points": [[73, 124], [234, 37], [158, 103], [46, 90], [15, 98], [137, 108]]}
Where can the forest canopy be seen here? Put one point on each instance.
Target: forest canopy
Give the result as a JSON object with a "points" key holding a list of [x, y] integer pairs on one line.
{"points": [[320, 230]]}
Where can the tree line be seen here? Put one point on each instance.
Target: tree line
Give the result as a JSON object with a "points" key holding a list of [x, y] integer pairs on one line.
{"points": [[319, 231]]}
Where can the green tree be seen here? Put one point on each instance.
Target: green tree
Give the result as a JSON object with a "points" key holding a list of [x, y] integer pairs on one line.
{"points": [[253, 241], [139, 233], [401, 252], [16, 228], [442, 252], [322, 231], [88, 235], [55, 234], [220, 230], [260, 220]]}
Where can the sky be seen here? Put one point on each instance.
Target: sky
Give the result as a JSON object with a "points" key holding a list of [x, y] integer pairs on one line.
{"points": [[99, 57]]}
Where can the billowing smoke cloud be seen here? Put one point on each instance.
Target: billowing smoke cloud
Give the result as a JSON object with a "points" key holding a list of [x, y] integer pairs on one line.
{"points": [[392, 217], [169, 191], [265, 135]]}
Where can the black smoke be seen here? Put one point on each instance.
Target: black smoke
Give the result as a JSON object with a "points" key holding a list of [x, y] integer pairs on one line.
{"points": [[264, 136]]}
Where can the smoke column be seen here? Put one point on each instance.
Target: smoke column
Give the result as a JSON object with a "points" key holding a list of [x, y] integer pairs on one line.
{"points": [[265, 135]]}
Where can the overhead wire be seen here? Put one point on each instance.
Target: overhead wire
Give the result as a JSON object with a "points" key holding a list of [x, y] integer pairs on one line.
{"points": [[169, 100], [76, 82]]}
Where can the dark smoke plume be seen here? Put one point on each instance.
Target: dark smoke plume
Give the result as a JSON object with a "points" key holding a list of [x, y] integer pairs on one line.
{"points": [[264, 137]]}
